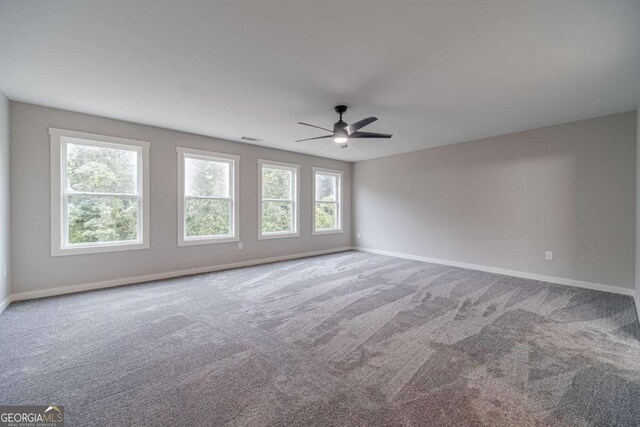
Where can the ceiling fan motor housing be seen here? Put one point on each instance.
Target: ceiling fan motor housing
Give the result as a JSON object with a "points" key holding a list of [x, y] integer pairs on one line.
{"points": [[339, 129]]}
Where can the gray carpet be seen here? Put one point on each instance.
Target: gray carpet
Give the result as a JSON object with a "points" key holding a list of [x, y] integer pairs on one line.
{"points": [[342, 339]]}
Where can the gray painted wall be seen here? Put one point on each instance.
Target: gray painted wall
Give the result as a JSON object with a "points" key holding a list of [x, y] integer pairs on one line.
{"points": [[503, 201], [34, 268], [5, 224], [638, 211]]}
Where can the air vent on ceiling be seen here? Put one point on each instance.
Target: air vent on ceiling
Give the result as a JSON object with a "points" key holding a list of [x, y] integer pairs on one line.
{"points": [[250, 139]]}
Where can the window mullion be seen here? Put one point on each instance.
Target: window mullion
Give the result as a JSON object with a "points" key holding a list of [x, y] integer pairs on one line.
{"points": [[221, 199], [103, 194], [65, 219]]}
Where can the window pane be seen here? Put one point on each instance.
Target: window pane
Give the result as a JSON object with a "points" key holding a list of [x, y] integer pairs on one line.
{"points": [[207, 217], [101, 169], [326, 216], [326, 188], [206, 178], [277, 183], [102, 219], [277, 217]]}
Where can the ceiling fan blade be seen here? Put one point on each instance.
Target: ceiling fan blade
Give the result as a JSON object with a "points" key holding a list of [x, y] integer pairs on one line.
{"points": [[353, 127], [314, 126], [317, 137], [369, 135]]}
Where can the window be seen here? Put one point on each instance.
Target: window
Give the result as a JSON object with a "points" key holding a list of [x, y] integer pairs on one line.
{"points": [[99, 193], [278, 207], [327, 201], [207, 197]]}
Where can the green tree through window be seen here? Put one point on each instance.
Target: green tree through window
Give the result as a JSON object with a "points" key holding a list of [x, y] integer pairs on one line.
{"points": [[208, 207], [102, 194], [327, 201], [278, 199]]}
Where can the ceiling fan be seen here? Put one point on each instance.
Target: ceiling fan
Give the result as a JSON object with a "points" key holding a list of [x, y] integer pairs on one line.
{"points": [[342, 132]]}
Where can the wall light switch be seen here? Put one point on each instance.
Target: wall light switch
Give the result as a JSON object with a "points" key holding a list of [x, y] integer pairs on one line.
{"points": [[4, 271], [548, 256], [357, 235], [239, 245]]}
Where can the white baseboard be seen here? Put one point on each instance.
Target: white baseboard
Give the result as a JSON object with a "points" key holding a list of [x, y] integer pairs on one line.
{"points": [[637, 299], [540, 277], [4, 304], [159, 276]]}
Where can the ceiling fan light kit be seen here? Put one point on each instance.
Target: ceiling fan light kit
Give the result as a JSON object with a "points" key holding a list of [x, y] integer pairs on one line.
{"points": [[342, 132]]}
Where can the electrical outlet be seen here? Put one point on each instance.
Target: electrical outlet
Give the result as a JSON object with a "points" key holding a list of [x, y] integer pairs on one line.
{"points": [[357, 235], [4, 271], [239, 245], [548, 255]]}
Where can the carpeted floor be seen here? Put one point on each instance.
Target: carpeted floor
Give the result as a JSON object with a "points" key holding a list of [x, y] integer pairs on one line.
{"points": [[343, 339]]}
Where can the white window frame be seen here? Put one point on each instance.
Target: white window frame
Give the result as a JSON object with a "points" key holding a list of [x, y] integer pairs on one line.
{"points": [[234, 192], [59, 193], [339, 188], [296, 201]]}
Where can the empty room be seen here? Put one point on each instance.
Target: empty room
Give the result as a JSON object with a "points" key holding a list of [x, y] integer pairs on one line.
{"points": [[305, 213]]}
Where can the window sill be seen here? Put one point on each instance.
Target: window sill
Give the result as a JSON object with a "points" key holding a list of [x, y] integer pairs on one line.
{"points": [[277, 236], [86, 250], [321, 232], [208, 241]]}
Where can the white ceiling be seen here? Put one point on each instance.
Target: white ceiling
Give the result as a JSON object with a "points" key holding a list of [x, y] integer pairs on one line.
{"points": [[434, 72]]}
